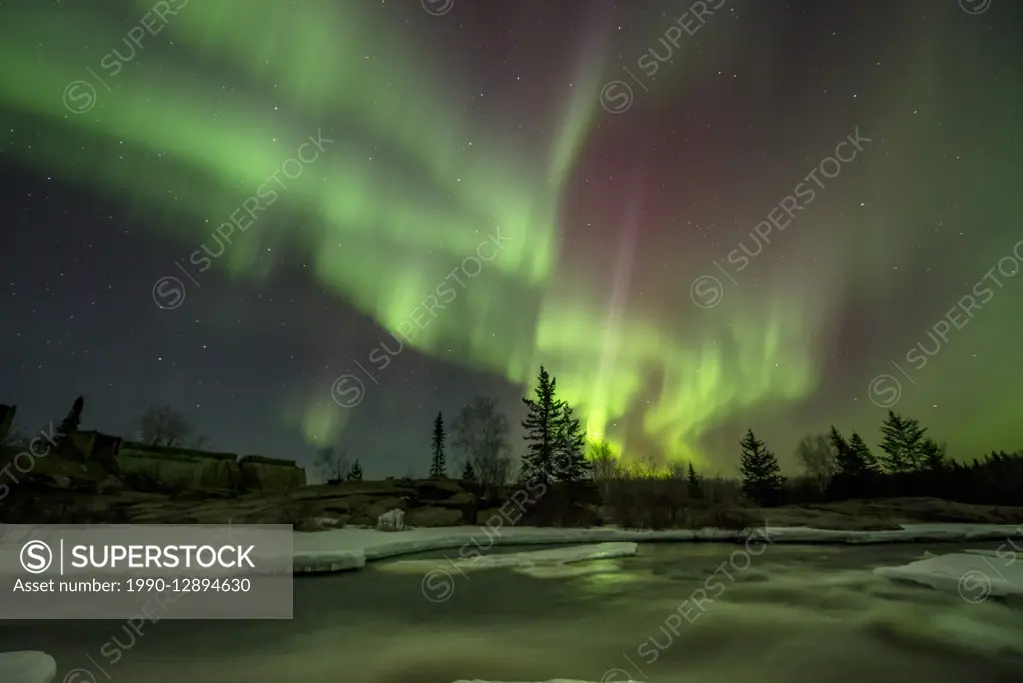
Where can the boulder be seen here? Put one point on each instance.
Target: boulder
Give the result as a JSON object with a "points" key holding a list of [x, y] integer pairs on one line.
{"points": [[433, 517], [381, 505], [438, 489], [393, 520], [348, 504]]}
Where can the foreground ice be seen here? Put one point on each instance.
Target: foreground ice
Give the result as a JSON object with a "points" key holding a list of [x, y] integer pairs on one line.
{"points": [[973, 575], [470, 559], [351, 548], [27, 666]]}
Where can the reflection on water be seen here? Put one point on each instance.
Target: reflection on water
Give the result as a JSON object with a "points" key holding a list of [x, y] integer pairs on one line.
{"points": [[789, 615]]}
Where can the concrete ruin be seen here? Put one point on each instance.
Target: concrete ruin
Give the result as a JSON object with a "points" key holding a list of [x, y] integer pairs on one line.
{"points": [[94, 455]]}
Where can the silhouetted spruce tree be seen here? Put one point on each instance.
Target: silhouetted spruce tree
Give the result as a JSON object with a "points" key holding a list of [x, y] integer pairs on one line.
{"points": [[865, 461], [933, 456], [855, 459], [541, 424], [570, 463], [694, 485], [73, 420], [841, 447], [468, 473], [902, 444], [438, 466], [761, 475], [355, 473]]}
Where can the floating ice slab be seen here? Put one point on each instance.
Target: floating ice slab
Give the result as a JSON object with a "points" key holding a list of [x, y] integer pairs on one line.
{"points": [[470, 559], [351, 548], [973, 576], [27, 666]]}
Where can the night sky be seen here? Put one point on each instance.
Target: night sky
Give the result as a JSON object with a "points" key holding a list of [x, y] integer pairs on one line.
{"points": [[700, 220]]}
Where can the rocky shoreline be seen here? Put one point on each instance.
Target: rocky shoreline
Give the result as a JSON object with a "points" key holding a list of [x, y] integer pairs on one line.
{"points": [[434, 503]]}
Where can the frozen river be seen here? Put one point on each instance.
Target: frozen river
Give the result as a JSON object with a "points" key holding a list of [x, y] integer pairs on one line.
{"points": [[790, 614]]}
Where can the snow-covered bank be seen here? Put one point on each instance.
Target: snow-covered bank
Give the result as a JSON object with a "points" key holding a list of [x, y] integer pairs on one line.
{"points": [[974, 576], [27, 666], [350, 548]]}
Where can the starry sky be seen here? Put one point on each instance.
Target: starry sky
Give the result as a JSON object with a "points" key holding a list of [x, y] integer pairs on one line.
{"points": [[310, 222]]}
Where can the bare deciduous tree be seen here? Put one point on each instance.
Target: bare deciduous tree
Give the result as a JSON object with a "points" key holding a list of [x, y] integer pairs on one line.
{"points": [[480, 434], [605, 464], [817, 456], [332, 463], [164, 426]]}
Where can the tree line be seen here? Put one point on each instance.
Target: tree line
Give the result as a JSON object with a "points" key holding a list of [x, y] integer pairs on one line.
{"points": [[908, 462]]}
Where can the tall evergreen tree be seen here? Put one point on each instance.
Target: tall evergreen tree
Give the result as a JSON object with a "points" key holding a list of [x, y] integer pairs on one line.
{"points": [[438, 466], [74, 418], [864, 461], [853, 458], [761, 475], [841, 447], [694, 483], [570, 463], [902, 444], [541, 425], [468, 473], [355, 473], [933, 456]]}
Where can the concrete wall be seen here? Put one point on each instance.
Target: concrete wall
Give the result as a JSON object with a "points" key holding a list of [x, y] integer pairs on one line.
{"points": [[271, 475], [96, 455], [180, 467]]}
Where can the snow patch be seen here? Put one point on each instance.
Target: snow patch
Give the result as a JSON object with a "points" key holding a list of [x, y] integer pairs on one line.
{"points": [[973, 576], [27, 666], [394, 520], [528, 559]]}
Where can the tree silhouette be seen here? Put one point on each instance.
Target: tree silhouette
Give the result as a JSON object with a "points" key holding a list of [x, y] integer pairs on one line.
{"points": [[541, 425], [761, 478], [438, 466], [569, 447], [355, 473], [73, 421]]}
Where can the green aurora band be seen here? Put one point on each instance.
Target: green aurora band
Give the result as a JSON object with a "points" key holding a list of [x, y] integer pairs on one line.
{"points": [[153, 142]]}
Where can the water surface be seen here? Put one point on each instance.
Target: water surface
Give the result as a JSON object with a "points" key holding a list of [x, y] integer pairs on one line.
{"points": [[790, 614]]}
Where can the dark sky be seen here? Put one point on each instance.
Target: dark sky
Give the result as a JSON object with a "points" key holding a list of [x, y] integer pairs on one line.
{"points": [[769, 215]]}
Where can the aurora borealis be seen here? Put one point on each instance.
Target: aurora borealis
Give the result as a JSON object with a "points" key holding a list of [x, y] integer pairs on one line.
{"points": [[447, 129]]}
